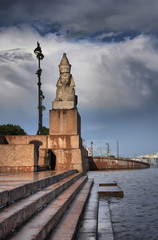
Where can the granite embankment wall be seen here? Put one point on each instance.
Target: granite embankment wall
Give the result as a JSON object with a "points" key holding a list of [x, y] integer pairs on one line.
{"points": [[108, 163], [27, 153], [17, 158]]}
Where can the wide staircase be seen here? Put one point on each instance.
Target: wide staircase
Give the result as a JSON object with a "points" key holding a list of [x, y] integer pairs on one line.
{"points": [[46, 208]]}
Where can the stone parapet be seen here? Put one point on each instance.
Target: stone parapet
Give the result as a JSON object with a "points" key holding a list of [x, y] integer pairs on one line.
{"points": [[16, 157], [107, 163], [27, 139]]}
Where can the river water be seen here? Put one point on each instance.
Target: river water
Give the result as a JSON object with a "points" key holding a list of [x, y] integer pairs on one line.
{"points": [[134, 217]]}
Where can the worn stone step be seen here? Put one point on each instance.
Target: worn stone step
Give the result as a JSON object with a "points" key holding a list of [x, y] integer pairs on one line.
{"points": [[39, 226], [15, 188], [108, 184], [110, 191], [66, 230], [17, 213]]}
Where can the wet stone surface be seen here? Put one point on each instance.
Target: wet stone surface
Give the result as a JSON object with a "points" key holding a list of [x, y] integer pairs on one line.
{"points": [[87, 236], [88, 226], [104, 221]]}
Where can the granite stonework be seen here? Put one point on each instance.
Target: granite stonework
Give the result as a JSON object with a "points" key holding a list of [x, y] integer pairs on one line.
{"points": [[62, 148], [64, 142], [110, 163], [40, 143], [65, 122], [18, 158]]}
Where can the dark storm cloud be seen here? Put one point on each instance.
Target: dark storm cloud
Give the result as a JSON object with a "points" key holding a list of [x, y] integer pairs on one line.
{"points": [[14, 67], [116, 79], [13, 55], [80, 17]]}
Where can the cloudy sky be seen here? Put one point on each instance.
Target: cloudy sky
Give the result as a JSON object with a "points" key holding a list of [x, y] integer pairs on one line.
{"points": [[112, 46]]}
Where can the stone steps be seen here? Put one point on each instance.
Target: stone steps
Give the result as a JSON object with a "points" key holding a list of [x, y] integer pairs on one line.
{"points": [[10, 191], [14, 215], [43, 222], [67, 228]]}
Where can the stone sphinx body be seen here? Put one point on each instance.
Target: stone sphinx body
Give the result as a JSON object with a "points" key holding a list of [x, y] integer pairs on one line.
{"points": [[65, 88], [65, 93]]}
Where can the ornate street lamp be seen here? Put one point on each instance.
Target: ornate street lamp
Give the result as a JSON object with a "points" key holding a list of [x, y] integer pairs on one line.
{"points": [[40, 56]]}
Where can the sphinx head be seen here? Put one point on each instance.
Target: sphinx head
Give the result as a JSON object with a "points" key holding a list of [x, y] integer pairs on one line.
{"points": [[65, 78]]}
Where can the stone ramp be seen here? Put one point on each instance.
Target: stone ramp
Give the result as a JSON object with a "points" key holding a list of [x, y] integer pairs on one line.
{"points": [[16, 186], [105, 231], [89, 225]]}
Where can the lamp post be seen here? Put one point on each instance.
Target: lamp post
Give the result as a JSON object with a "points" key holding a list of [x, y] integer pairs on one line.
{"points": [[91, 148], [108, 149], [40, 56], [117, 149]]}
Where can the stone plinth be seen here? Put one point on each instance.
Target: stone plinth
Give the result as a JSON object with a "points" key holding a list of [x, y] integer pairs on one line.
{"points": [[64, 122], [69, 159], [64, 142], [63, 104], [65, 138]]}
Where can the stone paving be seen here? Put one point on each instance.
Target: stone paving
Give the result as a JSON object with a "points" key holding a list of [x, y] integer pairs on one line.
{"points": [[10, 181]]}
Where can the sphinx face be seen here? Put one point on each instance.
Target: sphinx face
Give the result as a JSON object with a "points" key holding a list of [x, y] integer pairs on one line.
{"points": [[64, 78]]}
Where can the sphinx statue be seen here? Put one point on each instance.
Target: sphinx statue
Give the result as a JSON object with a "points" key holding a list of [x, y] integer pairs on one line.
{"points": [[65, 93]]}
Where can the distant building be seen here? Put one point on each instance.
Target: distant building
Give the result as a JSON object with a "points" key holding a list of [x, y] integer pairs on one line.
{"points": [[151, 158]]}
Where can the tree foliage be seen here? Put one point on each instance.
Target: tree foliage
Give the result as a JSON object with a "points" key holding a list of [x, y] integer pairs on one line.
{"points": [[10, 129], [45, 131]]}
